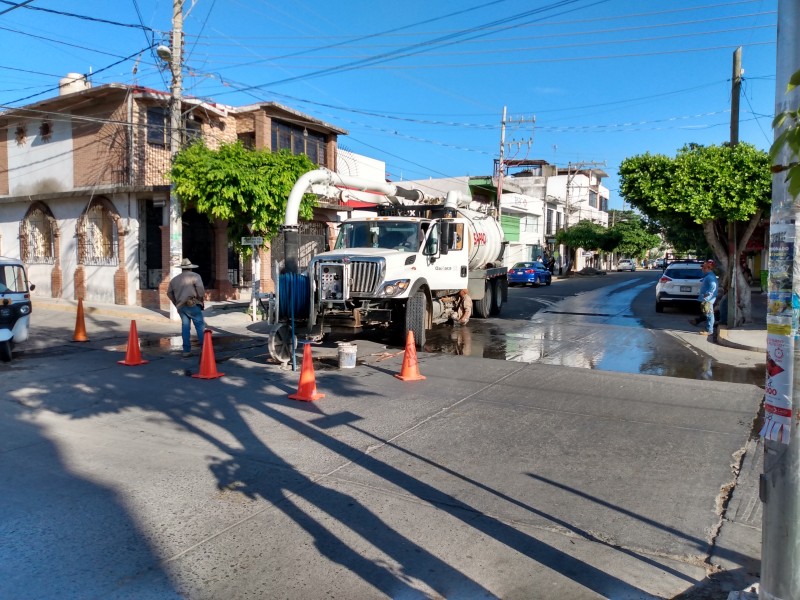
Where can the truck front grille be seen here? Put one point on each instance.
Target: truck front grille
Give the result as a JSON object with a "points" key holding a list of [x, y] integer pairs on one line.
{"points": [[365, 276]]}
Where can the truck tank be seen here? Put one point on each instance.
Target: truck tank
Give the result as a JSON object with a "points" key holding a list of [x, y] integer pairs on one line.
{"points": [[484, 239]]}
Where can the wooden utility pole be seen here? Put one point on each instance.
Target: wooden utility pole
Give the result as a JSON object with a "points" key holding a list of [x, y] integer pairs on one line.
{"points": [[736, 87]]}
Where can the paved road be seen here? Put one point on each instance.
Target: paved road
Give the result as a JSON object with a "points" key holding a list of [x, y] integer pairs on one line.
{"points": [[489, 479]]}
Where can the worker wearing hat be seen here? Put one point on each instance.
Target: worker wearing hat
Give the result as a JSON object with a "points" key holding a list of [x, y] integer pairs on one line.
{"points": [[186, 292], [707, 296]]}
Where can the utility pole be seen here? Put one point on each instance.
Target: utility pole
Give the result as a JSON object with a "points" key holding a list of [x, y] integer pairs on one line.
{"points": [[175, 101], [501, 166], [736, 87], [779, 486]]}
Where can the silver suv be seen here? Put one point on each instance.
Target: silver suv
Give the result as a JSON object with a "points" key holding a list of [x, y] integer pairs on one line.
{"points": [[679, 284]]}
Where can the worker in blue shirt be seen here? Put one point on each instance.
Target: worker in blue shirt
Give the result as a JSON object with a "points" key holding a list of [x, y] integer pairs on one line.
{"points": [[707, 295]]}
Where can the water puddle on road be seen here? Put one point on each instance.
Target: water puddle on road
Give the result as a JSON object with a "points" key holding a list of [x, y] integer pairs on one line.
{"points": [[615, 343]]}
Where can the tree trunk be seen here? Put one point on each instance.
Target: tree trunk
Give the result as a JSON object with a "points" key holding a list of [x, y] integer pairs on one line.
{"points": [[719, 244]]}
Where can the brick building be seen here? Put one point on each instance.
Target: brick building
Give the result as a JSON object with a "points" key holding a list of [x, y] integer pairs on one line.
{"points": [[84, 197]]}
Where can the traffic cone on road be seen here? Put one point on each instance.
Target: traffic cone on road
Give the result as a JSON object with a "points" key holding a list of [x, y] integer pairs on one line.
{"points": [[80, 325], [133, 356], [307, 390], [410, 369], [208, 364]]}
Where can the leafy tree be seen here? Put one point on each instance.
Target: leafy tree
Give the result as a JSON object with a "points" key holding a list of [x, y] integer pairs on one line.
{"points": [[789, 138], [632, 238], [725, 189], [248, 188], [584, 234]]}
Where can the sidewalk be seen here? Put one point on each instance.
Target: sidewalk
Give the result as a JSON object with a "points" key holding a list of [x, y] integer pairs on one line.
{"points": [[752, 335]]}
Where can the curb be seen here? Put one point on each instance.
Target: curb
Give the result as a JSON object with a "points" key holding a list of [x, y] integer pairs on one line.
{"points": [[724, 340]]}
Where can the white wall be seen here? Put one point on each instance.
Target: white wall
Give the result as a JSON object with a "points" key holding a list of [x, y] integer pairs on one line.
{"points": [[38, 166], [99, 279]]}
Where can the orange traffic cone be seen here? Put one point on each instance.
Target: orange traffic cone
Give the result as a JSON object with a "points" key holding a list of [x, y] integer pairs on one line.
{"points": [[410, 370], [80, 326], [133, 357], [208, 364], [307, 390]]}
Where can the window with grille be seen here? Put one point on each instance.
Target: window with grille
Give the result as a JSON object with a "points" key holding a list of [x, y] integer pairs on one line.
{"points": [[298, 140], [98, 240], [158, 126], [37, 238]]}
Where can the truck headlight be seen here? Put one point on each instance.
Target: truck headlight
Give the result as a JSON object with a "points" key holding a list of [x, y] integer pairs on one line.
{"points": [[393, 288]]}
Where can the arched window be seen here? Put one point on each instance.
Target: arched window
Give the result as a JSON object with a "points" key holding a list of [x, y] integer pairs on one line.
{"points": [[37, 237], [97, 236]]}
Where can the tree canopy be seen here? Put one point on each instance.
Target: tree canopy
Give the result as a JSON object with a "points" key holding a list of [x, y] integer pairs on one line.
{"points": [[248, 188], [716, 187], [628, 236]]}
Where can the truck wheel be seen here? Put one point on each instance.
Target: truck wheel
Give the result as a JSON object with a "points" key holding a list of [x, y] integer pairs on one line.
{"points": [[497, 296], [5, 351], [483, 307], [417, 317]]}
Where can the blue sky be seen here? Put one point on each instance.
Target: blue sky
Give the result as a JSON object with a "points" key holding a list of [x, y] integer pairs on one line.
{"points": [[422, 85]]}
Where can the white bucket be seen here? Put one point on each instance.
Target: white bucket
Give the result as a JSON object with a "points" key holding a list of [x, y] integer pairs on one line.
{"points": [[347, 356]]}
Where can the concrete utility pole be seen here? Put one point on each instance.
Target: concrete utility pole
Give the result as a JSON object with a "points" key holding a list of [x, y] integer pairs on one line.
{"points": [[780, 482], [736, 87], [501, 169], [175, 100]]}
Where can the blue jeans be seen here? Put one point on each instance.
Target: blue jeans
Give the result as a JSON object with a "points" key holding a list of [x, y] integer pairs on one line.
{"points": [[189, 315], [710, 319]]}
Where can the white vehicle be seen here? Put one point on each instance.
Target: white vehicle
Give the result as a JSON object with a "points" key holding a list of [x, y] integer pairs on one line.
{"points": [[15, 305], [405, 266], [679, 285], [626, 264]]}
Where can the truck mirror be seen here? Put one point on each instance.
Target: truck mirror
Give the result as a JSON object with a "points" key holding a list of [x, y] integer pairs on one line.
{"points": [[447, 236]]}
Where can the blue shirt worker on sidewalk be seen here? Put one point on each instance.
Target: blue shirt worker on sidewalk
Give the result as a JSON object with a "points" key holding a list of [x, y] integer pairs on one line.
{"points": [[707, 295], [186, 292]]}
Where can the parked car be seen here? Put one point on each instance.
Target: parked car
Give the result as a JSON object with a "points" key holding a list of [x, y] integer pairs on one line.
{"points": [[679, 284], [530, 272], [626, 264], [661, 263]]}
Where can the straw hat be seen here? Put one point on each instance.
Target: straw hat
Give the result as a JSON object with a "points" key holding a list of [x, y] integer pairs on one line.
{"points": [[187, 264]]}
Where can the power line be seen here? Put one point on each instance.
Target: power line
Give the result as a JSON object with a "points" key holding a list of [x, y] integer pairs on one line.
{"points": [[72, 15]]}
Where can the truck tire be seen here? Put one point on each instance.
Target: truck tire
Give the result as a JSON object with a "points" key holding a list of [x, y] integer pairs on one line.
{"points": [[497, 295], [417, 317], [483, 307]]}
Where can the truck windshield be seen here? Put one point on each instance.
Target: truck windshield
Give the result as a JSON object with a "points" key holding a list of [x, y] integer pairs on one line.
{"points": [[395, 235], [12, 279]]}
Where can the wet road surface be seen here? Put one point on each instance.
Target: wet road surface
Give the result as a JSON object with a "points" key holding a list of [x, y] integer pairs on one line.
{"points": [[595, 329]]}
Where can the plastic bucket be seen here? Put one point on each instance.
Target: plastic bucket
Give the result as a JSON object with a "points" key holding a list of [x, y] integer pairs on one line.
{"points": [[347, 356]]}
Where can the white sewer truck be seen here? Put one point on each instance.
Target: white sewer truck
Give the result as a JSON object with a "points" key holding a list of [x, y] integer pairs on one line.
{"points": [[405, 265]]}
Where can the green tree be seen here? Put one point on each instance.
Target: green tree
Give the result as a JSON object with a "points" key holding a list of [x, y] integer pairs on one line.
{"points": [[725, 189], [248, 188], [584, 234], [788, 121], [632, 238]]}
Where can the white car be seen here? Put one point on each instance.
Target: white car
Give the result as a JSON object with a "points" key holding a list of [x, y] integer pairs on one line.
{"points": [[626, 264], [679, 284]]}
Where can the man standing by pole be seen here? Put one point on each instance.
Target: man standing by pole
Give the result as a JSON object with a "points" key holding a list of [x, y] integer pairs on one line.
{"points": [[780, 481]]}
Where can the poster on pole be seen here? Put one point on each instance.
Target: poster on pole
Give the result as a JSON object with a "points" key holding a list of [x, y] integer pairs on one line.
{"points": [[778, 388]]}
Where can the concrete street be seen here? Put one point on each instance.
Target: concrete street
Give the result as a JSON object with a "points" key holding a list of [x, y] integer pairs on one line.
{"points": [[489, 479]]}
